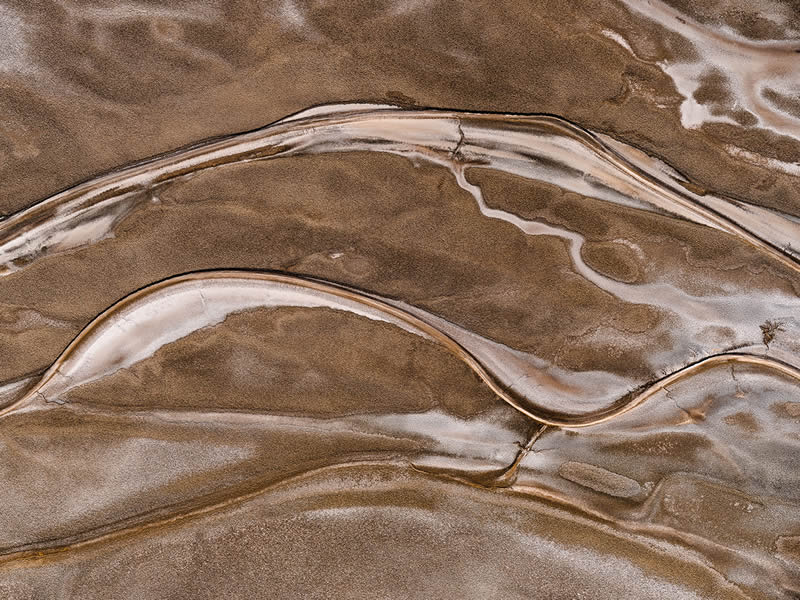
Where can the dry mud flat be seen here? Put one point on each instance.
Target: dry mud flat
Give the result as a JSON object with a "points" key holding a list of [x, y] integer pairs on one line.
{"points": [[380, 350]]}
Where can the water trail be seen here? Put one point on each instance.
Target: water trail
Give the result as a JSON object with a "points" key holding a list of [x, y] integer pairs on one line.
{"points": [[665, 296], [140, 324], [756, 73]]}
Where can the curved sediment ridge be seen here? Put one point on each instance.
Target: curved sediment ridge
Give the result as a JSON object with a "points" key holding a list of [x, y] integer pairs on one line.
{"points": [[538, 147], [138, 325]]}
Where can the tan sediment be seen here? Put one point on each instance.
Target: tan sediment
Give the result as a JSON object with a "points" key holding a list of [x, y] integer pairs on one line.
{"points": [[519, 239]]}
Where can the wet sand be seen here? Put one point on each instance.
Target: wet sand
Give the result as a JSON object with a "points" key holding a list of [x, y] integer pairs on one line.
{"points": [[399, 301]]}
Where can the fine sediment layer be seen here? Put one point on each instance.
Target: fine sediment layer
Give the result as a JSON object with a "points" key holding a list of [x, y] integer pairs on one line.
{"points": [[542, 341]]}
